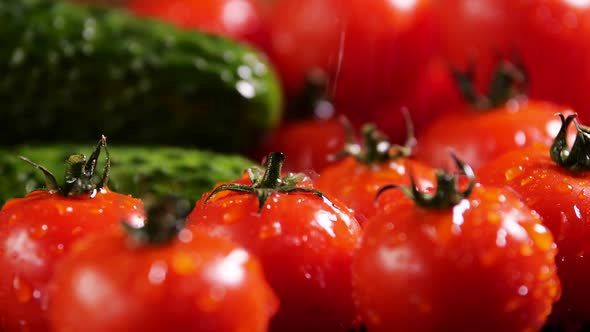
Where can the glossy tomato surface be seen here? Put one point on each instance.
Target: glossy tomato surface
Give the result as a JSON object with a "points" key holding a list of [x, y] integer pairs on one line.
{"points": [[549, 35], [560, 196], [356, 184], [305, 244], [193, 283], [35, 232], [370, 49], [485, 264], [478, 137], [308, 143], [239, 19]]}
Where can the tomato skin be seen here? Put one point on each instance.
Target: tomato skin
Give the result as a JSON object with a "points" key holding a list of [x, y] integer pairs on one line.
{"points": [[461, 269], [550, 36], [305, 245], [308, 143], [560, 197], [479, 137], [239, 19], [356, 184], [366, 59], [35, 232], [194, 283]]}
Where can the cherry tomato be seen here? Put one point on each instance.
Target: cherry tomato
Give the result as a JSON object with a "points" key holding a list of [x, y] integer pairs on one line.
{"points": [[370, 50], [310, 133], [478, 260], [36, 231], [239, 19], [549, 35], [186, 281], [304, 241], [434, 94], [558, 191], [356, 179], [309, 142]]}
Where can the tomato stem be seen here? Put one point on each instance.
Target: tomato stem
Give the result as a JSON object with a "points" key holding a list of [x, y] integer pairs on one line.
{"points": [[509, 81], [267, 181], [376, 147], [446, 194], [79, 173], [578, 157]]}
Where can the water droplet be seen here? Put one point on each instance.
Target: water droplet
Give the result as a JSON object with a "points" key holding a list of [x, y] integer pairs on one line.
{"points": [[22, 289], [246, 89], [18, 57], [185, 236], [523, 290], [245, 72], [513, 172], [157, 273], [38, 232], [564, 187], [526, 180]]}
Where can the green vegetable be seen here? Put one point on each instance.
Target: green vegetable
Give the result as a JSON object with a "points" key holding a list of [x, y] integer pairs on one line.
{"points": [[72, 73], [150, 173]]}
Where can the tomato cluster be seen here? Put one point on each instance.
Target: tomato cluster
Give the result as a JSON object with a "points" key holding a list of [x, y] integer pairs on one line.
{"points": [[478, 221]]}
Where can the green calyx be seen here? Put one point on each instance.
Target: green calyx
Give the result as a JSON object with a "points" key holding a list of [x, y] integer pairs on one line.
{"points": [[447, 192], [509, 81], [80, 173], [268, 181], [578, 157], [165, 219], [376, 147]]}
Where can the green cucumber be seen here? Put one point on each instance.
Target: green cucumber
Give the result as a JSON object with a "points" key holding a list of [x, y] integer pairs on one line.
{"points": [[149, 173], [72, 73]]}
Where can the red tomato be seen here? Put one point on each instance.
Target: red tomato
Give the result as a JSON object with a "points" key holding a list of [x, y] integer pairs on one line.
{"points": [[310, 143], [310, 133], [434, 94], [371, 49], [480, 136], [239, 19], [356, 179], [304, 241], [549, 35], [37, 230], [192, 282], [474, 261], [559, 194]]}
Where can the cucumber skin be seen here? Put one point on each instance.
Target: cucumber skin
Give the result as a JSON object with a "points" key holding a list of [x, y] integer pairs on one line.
{"points": [[149, 173], [72, 73]]}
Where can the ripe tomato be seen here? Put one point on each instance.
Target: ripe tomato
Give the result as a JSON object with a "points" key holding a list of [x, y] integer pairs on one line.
{"points": [[37, 230], [239, 19], [356, 179], [309, 142], [450, 261], [304, 241], [171, 281], [491, 125], [366, 59], [310, 133], [433, 94], [558, 191], [549, 35]]}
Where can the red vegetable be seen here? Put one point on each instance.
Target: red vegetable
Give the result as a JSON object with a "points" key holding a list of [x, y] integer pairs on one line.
{"points": [[477, 260], [554, 182], [304, 241], [37, 230], [159, 277]]}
